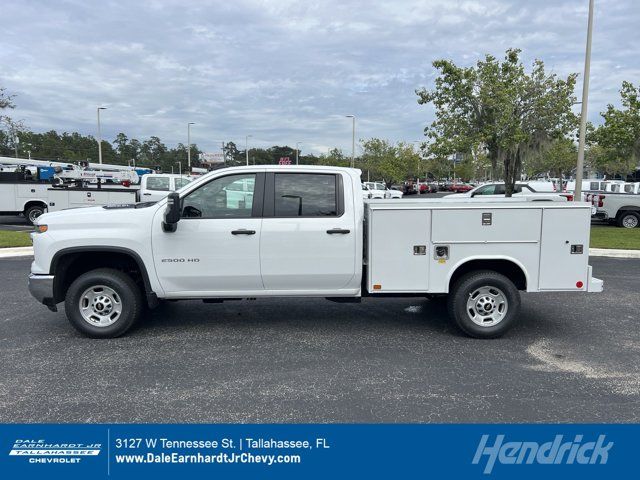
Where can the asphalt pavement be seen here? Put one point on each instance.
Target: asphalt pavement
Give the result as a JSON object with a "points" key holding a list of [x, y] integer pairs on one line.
{"points": [[570, 358], [15, 223]]}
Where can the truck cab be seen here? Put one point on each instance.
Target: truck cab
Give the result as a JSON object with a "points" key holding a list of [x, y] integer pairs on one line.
{"points": [[154, 187]]}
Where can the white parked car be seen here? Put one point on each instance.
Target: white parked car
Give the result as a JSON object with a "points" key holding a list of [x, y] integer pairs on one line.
{"points": [[497, 190], [393, 193], [380, 190], [376, 189]]}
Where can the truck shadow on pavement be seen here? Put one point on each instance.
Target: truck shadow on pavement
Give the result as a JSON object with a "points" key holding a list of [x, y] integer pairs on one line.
{"points": [[373, 315]]}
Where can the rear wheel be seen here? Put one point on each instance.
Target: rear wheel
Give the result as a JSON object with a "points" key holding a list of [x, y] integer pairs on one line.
{"points": [[629, 220], [33, 212], [484, 304], [103, 303]]}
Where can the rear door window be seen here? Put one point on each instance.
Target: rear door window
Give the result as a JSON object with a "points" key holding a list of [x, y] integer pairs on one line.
{"points": [[305, 195]]}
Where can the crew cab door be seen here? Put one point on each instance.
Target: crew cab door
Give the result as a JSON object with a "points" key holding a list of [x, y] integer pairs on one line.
{"points": [[215, 248], [308, 240]]}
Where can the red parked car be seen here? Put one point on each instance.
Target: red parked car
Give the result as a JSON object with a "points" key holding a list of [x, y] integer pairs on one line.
{"points": [[461, 187]]}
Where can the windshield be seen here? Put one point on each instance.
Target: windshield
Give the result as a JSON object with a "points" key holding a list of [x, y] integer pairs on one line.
{"points": [[181, 182]]}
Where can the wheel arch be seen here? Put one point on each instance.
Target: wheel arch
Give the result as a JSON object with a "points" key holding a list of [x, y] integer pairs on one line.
{"points": [[33, 202], [628, 208], [69, 263], [507, 266]]}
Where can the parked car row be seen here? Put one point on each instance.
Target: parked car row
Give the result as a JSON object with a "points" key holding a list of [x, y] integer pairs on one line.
{"points": [[380, 191]]}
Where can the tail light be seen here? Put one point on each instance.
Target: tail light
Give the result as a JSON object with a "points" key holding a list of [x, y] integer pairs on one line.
{"points": [[601, 200], [569, 198]]}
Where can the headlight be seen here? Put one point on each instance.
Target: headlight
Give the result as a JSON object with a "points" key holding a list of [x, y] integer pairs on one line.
{"points": [[40, 228]]}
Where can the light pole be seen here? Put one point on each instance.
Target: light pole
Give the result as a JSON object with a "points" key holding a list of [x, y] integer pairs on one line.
{"points": [[179, 168], [577, 193], [353, 140], [246, 147], [100, 136], [189, 144], [297, 151]]}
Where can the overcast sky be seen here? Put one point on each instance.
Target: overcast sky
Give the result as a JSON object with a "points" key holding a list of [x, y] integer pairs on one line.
{"points": [[284, 71]]}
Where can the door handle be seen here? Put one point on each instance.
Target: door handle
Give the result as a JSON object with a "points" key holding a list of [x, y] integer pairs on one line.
{"points": [[342, 231], [146, 194], [242, 231]]}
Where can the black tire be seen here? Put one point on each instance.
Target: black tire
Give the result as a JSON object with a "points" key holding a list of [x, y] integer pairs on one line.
{"points": [[33, 212], [127, 294], [628, 220], [469, 284]]}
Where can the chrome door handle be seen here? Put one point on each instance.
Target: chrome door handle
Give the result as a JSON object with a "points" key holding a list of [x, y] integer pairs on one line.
{"points": [[242, 231]]}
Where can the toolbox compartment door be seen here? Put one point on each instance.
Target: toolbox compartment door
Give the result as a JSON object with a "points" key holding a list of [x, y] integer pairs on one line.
{"points": [[564, 230], [399, 251]]}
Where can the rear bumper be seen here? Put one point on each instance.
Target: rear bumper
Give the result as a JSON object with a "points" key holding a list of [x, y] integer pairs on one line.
{"points": [[601, 215], [41, 288], [594, 285]]}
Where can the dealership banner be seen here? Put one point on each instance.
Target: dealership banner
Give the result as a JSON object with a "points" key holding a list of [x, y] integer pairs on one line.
{"points": [[122, 451]]}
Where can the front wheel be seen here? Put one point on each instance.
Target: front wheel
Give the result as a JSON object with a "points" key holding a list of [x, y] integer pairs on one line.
{"points": [[103, 303], [484, 304]]}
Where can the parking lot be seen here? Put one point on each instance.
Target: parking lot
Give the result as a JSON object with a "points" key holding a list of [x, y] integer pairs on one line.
{"points": [[571, 358]]}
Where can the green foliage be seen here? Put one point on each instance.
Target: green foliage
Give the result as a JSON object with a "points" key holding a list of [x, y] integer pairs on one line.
{"points": [[334, 157], [498, 108], [617, 141], [558, 159], [391, 162]]}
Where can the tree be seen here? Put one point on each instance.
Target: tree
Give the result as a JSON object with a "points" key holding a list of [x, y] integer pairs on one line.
{"points": [[497, 107], [390, 162], [6, 101], [558, 159], [618, 138], [121, 146]]}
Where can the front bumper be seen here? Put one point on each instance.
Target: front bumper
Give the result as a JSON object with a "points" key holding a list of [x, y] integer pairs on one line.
{"points": [[41, 288]]}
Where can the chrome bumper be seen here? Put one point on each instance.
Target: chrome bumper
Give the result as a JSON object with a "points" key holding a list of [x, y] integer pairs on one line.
{"points": [[41, 288]]}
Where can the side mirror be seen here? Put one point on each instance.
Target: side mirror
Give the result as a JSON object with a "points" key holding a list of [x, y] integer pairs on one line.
{"points": [[172, 213]]}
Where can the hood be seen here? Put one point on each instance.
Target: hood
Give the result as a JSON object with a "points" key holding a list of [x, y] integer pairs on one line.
{"points": [[87, 217]]}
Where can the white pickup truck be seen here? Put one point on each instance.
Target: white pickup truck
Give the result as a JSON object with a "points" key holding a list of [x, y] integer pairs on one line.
{"points": [[296, 231], [621, 209]]}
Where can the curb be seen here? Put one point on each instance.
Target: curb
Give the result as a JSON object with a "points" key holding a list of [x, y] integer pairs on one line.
{"points": [[613, 252], [16, 252], [593, 252]]}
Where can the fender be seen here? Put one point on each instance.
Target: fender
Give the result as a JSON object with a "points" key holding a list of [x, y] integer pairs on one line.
{"points": [[151, 296], [488, 257]]}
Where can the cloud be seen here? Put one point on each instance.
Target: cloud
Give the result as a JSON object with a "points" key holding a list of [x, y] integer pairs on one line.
{"points": [[283, 71]]}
